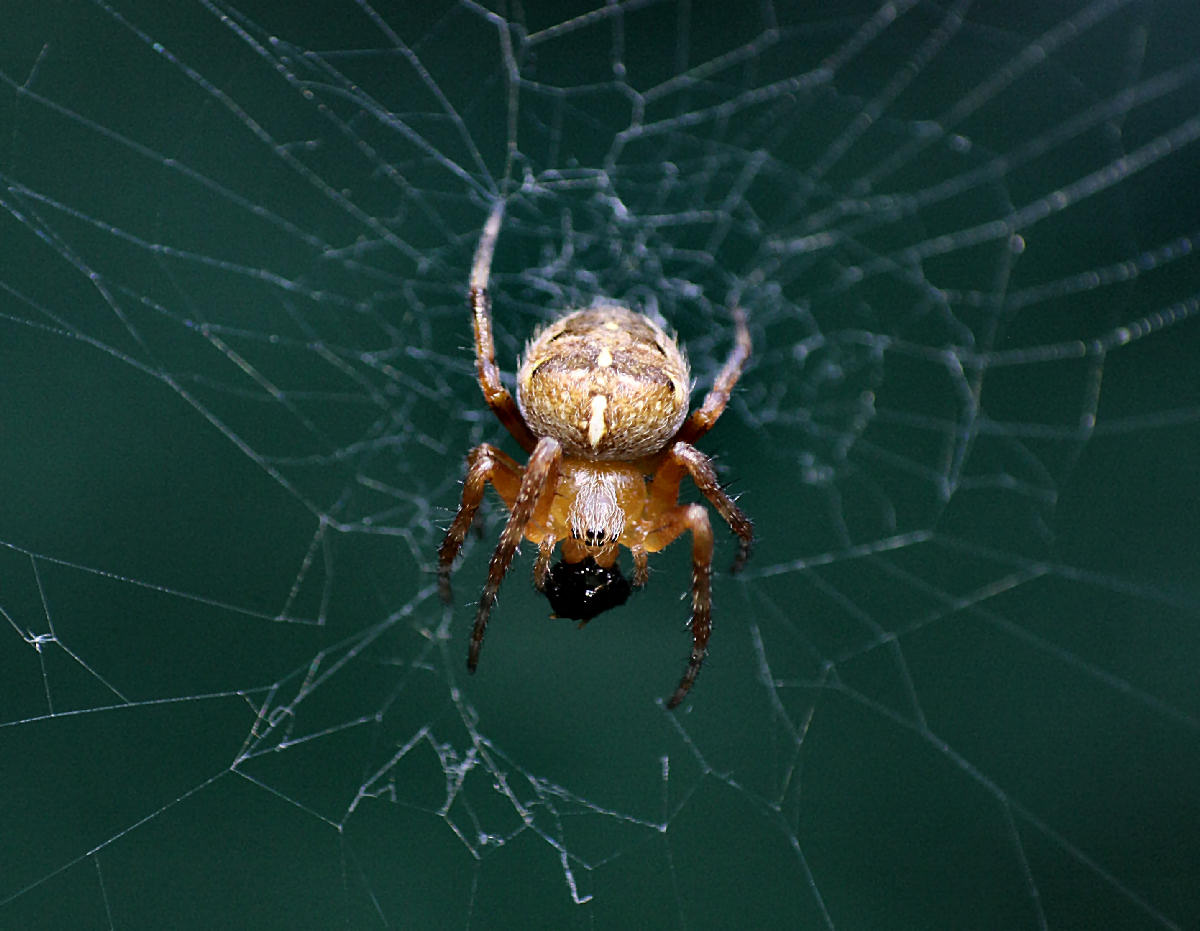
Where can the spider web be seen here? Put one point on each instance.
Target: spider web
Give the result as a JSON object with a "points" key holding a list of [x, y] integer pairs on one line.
{"points": [[956, 686]]}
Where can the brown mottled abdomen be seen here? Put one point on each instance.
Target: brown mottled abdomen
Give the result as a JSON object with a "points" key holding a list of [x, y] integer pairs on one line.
{"points": [[607, 382]]}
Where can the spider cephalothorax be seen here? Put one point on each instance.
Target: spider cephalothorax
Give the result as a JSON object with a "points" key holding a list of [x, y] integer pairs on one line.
{"points": [[602, 410]]}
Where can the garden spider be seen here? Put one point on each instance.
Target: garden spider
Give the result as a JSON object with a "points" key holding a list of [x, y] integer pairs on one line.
{"points": [[602, 410]]}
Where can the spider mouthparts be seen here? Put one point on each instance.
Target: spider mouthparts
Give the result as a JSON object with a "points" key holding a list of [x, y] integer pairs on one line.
{"points": [[581, 590]]}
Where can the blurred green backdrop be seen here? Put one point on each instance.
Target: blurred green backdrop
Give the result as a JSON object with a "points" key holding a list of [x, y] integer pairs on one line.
{"points": [[956, 687]]}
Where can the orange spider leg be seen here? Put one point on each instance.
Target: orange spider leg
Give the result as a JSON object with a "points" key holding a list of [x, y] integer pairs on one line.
{"points": [[541, 565], [641, 564], [673, 523], [486, 370], [540, 478], [485, 463], [683, 458], [703, 417], [541, 531]]}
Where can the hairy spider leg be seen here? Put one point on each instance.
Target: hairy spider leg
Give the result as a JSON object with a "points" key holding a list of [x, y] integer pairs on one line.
{"points": [[641, 564], [540, 478], [485, 463], [541, 565], [681, 459], [486, 370], [673, 523], [666, 520], [702, 418]]}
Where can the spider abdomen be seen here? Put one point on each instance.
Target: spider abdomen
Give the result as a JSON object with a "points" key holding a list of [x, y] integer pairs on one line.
{"points": [[607, 382]]}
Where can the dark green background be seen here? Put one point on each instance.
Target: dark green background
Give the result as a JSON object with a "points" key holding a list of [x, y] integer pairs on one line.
{"points": [[957, 686]]}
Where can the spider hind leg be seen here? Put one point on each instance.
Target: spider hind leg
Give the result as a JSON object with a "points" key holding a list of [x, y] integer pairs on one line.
{"points": [[675, 522]]}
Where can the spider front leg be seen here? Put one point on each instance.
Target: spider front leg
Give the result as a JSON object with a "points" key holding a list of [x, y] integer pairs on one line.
{"points": [[485, 463], [486, 371], [691, 517], [541, 475], [703, 417]]}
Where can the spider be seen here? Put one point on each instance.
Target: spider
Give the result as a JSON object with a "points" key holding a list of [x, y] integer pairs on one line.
{"points": [[602, 410]]}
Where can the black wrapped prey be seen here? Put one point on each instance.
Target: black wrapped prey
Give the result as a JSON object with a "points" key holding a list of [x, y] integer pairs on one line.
{"points": [[583, 589]]}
